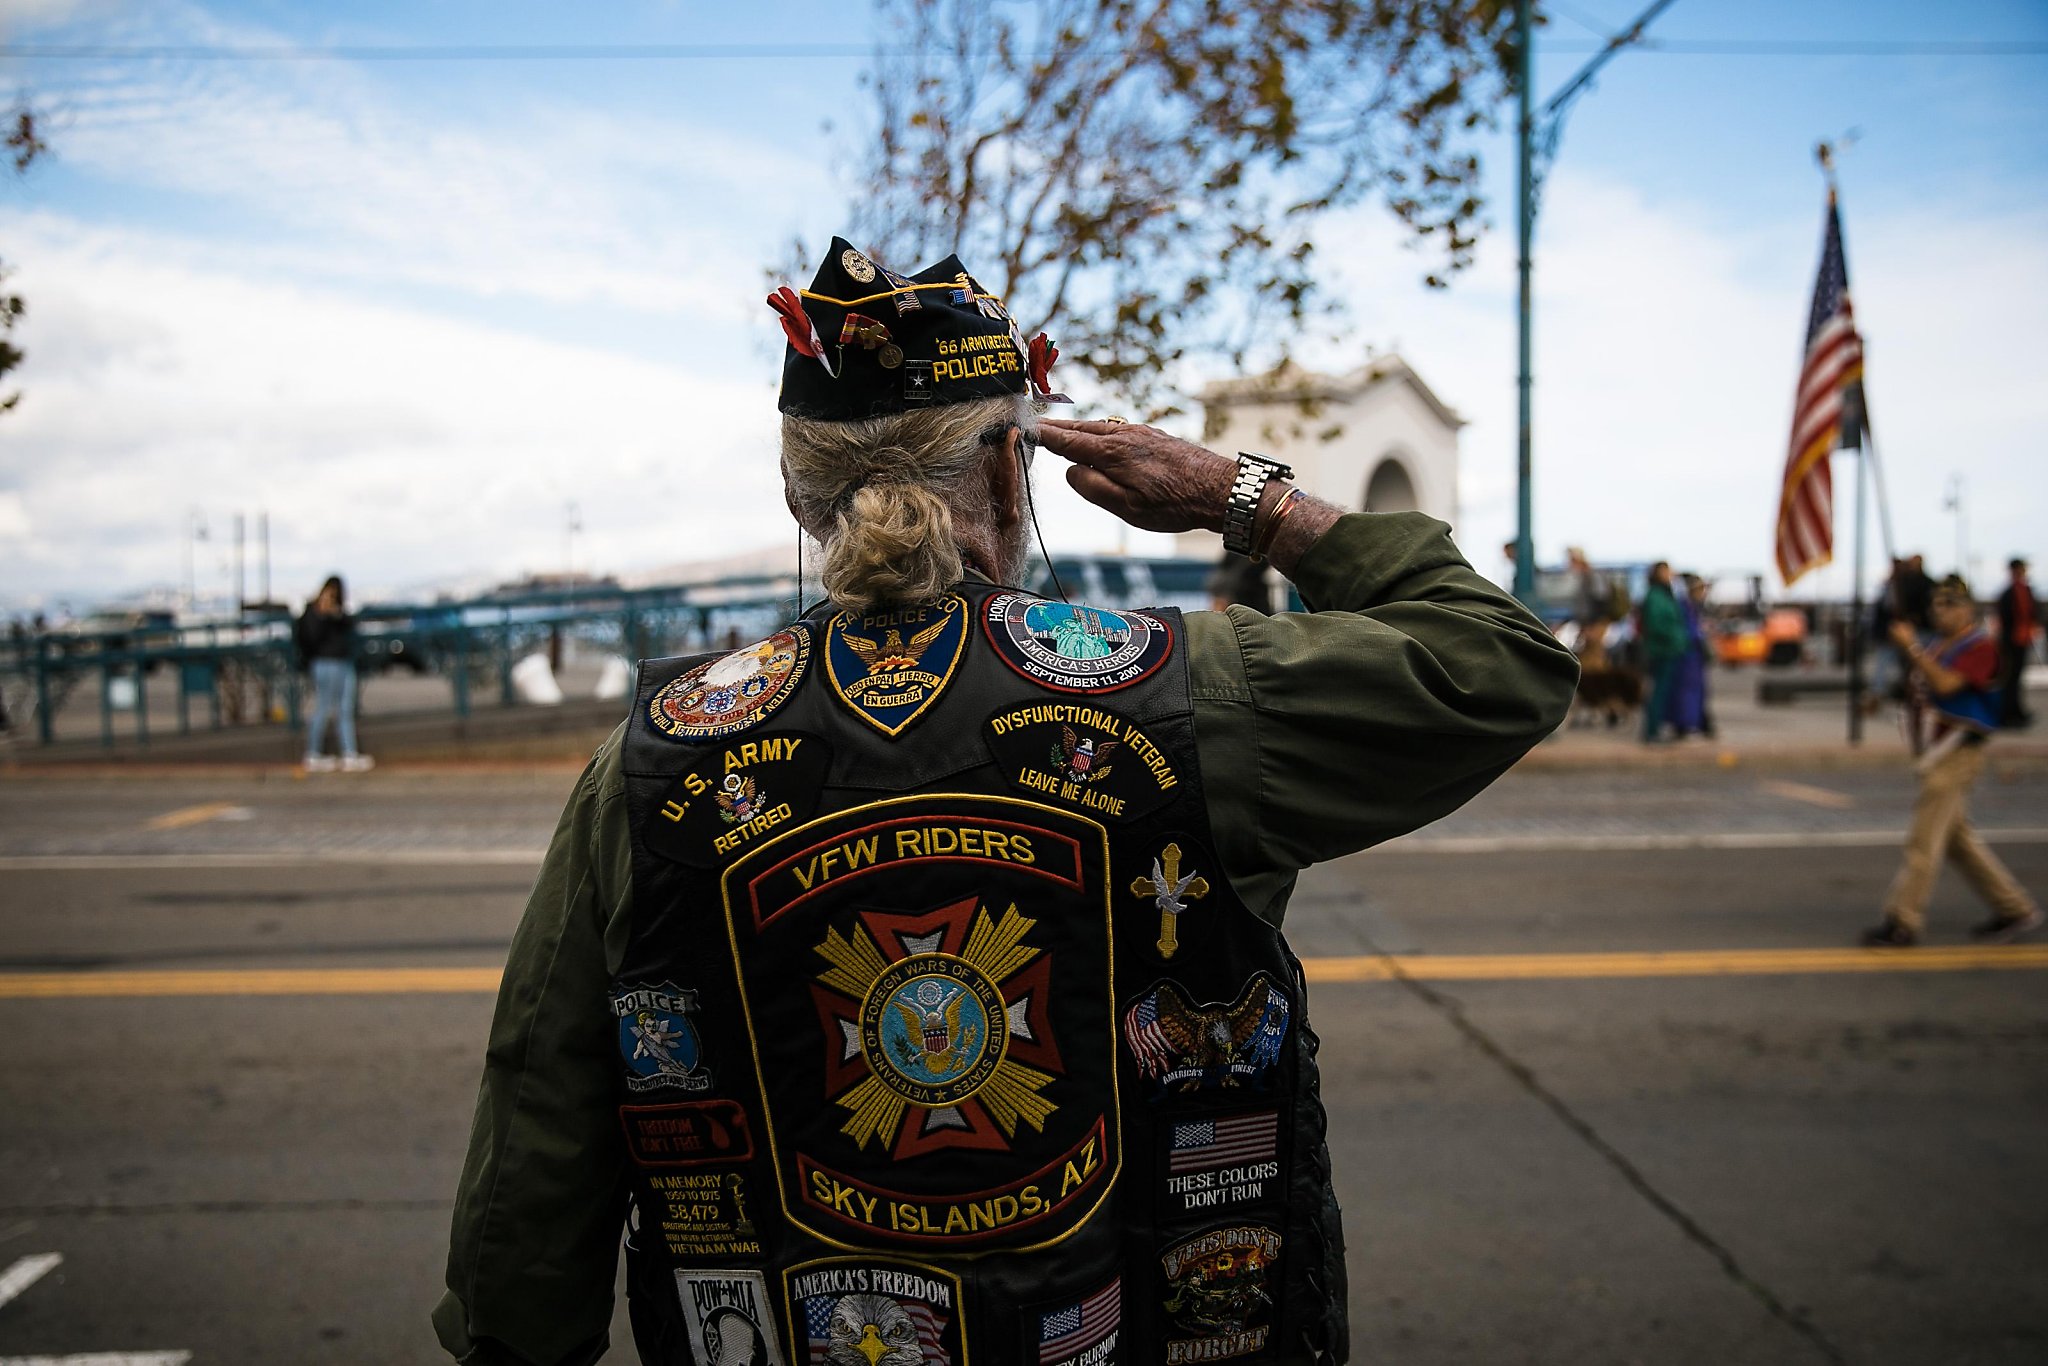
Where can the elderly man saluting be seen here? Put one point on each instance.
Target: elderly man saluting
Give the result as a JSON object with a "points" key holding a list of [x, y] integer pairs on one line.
{"points": [[955, 911]]}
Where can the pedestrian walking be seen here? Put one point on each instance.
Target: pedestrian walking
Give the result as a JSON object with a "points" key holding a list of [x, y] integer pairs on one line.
{"points": [[1953, 707], [326, 638], [1691, 713], [1663, 642], [909, 984], [2019, 626]]}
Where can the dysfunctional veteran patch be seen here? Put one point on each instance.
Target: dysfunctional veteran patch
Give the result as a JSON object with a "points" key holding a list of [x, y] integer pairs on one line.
{"points": [[860, 1310], [735, 692], [1182, 1047], [1075, 648], [729, 1318], [1076, 1331], [1218, 1293], [890, 666], [657, 1040], [1083, 756], [739, 793]]}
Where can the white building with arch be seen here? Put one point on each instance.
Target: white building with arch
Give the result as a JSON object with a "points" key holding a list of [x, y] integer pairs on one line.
{"points": [[1376, 438]]}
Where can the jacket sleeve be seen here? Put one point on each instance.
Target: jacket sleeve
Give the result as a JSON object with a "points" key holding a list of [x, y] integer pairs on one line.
{"points": [[541, 1204], [1408, 686]]}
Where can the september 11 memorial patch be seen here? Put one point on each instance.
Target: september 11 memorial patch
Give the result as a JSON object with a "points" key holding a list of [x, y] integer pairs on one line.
{"points": [[1075, 648]]}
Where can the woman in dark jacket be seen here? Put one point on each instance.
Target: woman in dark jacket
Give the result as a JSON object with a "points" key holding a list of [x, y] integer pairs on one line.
{"points": [[327, 645]]}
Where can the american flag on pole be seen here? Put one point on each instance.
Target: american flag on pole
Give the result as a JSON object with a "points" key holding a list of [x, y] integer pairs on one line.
{"points": [[1832, 368], [1077, 1327]]}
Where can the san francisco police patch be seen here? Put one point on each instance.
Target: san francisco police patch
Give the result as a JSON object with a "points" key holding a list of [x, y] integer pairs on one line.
{"points": [[730, 694], [1072, 647], [890, 666], [656, 1039]]}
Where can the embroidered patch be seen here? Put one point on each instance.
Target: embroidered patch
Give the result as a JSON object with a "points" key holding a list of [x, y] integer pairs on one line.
{"points": [[660, 1046], [728, 1317], [1075, 649], [689, 1133], [857, 265], [1170, 890], [957, 963], [1225, 1162], [891, 666], [1182, 1048], [1218, 1293], [1083, 756], [705, 1214], [736, 796], [730, 694], [1077, 1332], [861, 1310]]}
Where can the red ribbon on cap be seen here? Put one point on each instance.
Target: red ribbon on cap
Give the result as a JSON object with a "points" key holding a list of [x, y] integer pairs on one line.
{"points": [[1039, 363]]}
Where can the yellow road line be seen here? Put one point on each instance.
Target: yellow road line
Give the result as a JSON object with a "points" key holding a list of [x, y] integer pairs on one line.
{"points": [[1806, 792], [1512, 967], [1475, 967], [189, 815]]}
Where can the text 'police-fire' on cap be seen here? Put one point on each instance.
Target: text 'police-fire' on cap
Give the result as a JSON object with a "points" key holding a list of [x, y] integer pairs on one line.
{"points": [[867, 342]]}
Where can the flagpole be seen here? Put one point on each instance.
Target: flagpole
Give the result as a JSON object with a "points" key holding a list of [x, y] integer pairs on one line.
{"points": [[1825, 155]]}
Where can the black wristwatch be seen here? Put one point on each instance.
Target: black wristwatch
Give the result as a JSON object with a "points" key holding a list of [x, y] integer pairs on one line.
{"points": [[1254, 472]]}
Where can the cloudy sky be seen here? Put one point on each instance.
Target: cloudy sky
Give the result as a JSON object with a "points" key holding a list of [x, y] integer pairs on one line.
{"points": [[416, 308]]}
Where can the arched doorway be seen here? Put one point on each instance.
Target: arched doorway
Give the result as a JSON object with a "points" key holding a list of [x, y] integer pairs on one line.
{"points": [[1390, 489]]}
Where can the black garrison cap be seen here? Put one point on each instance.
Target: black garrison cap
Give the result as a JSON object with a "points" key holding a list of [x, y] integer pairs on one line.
{"points": [[867, 342]]}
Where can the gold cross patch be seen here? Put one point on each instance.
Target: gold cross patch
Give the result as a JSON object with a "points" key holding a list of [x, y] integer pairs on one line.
{"points": [[1170, 892]]}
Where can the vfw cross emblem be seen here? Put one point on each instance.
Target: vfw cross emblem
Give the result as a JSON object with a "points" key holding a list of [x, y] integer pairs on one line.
{"points": [[926, 984]]}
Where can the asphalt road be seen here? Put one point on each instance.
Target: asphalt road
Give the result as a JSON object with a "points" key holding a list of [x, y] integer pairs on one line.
{"points": [[1775, 1158]]}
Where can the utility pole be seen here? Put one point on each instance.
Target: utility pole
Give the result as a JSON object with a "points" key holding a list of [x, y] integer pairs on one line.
{"points": [[1539, 139], [241, 563]]}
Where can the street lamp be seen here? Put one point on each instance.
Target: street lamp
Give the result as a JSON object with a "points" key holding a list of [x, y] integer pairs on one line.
{"points": [[1537, 136]]}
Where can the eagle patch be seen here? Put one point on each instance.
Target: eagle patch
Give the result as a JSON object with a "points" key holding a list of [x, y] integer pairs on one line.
{"points": [[732, 693], [1182, 1047], [890, 666]]}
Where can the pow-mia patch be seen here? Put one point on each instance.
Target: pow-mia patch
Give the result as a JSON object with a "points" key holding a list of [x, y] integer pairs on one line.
{"points": [[1218, 1293], [741, 792], [1220, 1163], [1084, 756], [912, 1310], [1181, 1047], [730, 694], [688, 1133], [657, 1040], [730, 1319], [704, 1215], [1076, 1331], [890, 666], [1075, 648]]}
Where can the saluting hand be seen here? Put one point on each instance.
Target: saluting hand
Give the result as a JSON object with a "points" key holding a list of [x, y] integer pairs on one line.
{"points": [[1152, 480]]}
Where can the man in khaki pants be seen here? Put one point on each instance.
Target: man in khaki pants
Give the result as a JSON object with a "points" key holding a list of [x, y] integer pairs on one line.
{"points": [[1954, 689]]}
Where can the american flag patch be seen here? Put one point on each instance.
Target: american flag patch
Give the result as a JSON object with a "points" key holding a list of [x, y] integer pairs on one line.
{"points": [[1076, 1327], [1212, 1142]]}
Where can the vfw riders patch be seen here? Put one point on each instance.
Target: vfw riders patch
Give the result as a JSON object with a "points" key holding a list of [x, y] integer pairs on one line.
{"points": [[729, 1318], [853, 1311], [956, 955], [890, 666], [730, 694], [656, 1039], [1075, 648]]}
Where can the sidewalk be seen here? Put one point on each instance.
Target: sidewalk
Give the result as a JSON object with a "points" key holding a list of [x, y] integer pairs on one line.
{"points": [[1809, 733]]}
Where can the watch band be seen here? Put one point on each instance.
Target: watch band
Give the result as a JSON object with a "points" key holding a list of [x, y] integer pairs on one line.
{"points": [[1254, 472]]}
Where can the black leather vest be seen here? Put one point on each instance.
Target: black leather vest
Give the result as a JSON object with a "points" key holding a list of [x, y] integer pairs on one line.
{"points": [[941, 1038]]}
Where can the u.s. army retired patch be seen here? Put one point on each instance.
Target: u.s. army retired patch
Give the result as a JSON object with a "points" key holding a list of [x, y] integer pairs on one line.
{"points": [[1082, 756], [737, 795], [1072, 647], [730, 694], [890, 666]]}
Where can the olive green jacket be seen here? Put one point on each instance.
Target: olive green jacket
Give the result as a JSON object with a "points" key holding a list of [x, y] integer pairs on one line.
{"points": [[1409, 685]]}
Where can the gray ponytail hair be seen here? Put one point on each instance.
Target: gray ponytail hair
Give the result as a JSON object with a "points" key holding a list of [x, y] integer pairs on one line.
{"points": [[882, 494]]}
